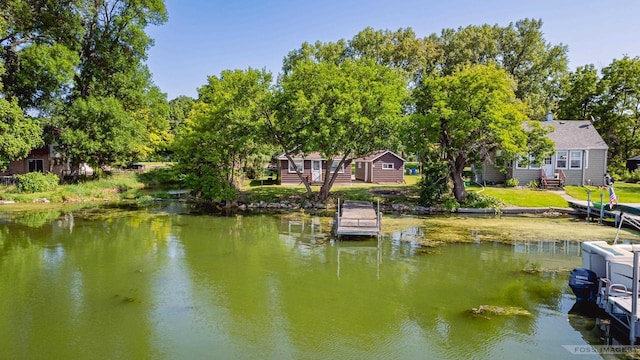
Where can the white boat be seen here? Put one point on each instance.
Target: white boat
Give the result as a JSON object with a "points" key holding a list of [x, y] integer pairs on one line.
{"points": [[607, 278]]}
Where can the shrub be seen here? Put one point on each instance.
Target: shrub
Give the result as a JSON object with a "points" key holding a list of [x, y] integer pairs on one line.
{"points": [[144, 201], [36, 182], [513, 182], [480, 200], [411, 165], [434, 183], [534, 184], [162, 176], [450, 203], [630, 176]]}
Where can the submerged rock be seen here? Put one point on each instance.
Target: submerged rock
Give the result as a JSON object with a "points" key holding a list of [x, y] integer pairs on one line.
{"points": [[500, 310]]}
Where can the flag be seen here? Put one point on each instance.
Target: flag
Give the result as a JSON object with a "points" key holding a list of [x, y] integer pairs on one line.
{"points": [[612, 197]]}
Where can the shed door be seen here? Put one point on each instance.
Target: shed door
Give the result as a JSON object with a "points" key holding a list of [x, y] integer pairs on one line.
{"points": [[316, 170], [366, 172]]}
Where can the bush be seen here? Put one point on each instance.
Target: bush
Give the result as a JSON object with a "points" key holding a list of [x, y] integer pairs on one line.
{"points": [[434, 183], [162, 176], [36, 182], [480, 200], [411, 165], [630, 176], [513, 182], [534, 184], [450, 203], [144, 201]]}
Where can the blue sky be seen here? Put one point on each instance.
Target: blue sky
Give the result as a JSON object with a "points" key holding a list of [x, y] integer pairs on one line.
{"points": [[202, 37]]}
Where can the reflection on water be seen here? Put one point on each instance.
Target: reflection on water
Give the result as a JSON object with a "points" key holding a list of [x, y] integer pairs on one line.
{"points": [[154, 285]]}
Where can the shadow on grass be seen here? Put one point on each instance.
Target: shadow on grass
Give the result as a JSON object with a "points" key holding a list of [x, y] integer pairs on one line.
{"points": [[263, 191]]}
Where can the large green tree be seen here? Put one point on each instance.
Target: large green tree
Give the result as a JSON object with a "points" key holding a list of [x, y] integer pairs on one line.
{"points": [[62, 56], [471, 113], [40, 50], [612, 99], [578, 99], [18, 133], [112, 73], [519, 48], [337, 108], [223, 132], [179, 109], [619, 108], [106, 139]]}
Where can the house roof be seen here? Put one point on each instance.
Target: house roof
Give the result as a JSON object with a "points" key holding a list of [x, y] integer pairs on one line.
{"points": [[375, 155], [634, 158], [310, 156], [575, 134]]}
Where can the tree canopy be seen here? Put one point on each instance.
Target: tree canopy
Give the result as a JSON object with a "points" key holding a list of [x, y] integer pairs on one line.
{"points": [[611, 98], [469, 114], [222, 135], [346, 108], [66, 59], [18, 133]]}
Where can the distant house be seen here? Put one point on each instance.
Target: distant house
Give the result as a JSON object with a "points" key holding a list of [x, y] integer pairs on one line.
{"points": [[580, 158], [633, 163], [44, 160], [382, 166], [313, 168]]}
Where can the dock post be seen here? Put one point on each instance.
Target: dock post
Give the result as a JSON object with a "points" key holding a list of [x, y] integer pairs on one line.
{"points": [[379, 218], [338, 221], [601, 208], [634, 301], [588, 204]]}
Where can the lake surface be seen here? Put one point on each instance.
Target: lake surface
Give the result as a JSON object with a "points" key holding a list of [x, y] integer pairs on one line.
{"points": [[154, 284]]}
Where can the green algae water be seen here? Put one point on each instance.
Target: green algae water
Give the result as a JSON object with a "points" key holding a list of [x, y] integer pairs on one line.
{"points": [[157, 285]]}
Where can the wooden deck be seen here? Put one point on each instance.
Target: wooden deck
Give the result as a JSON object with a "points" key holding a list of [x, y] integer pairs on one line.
{"points": [[357, 218]]}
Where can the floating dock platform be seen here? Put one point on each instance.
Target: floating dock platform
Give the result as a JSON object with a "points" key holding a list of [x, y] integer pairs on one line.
{"points": [[357, 218]]}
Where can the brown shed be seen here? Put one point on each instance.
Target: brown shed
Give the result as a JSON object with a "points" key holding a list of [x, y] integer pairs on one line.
{"points": [[313, 167], [382, 166]]}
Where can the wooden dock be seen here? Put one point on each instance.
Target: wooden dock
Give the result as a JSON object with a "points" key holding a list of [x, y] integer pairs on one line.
{"points": [[357, 218], [600, 211]]}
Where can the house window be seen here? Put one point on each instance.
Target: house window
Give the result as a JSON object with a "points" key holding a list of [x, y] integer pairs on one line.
{"points": [[576, 160], [387, 166], [520, 163], [532, 163], [296, 163], [36, 165], [561, 159], [359, 165], [334, 166]]}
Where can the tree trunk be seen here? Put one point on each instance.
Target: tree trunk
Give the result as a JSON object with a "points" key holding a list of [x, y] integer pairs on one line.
{"points": [[304, 180], [329, 178], [456, 169]]}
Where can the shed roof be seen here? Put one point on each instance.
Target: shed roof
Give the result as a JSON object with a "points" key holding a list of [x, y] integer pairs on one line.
{"points": [[376, 154], [575, 134], [310, 156]]}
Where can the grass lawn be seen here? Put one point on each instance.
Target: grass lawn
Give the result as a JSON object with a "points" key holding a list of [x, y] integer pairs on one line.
{"points": [[626, 192], [523, 197], [111, 188], [407, 193], [392, 193], [126, 186]]}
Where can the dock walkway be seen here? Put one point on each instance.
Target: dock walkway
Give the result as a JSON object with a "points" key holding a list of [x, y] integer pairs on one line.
{"points": [[357, 218]]}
